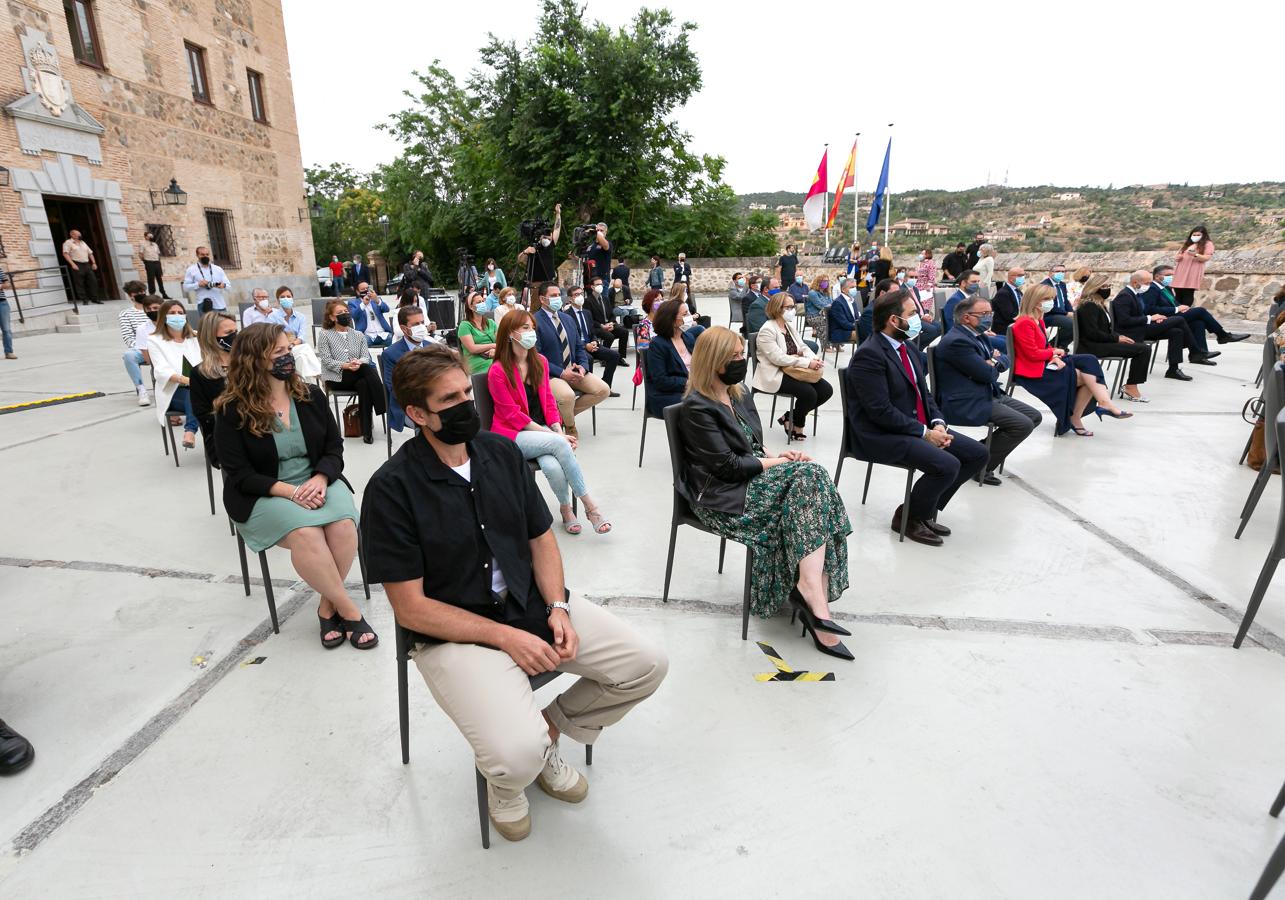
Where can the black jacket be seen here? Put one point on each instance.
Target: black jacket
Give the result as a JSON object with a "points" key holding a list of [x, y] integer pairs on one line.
{"points": [[1129, 315], [719, 460], [417, 276], [1006, 304], [250, 463], [204, 391], [1095, 328], [596, 306]]}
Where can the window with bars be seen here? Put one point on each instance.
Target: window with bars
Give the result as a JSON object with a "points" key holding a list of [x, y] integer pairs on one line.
{"points": [[257, 110], [84, 32], [196, 73], [164, 237], [222, 231]]}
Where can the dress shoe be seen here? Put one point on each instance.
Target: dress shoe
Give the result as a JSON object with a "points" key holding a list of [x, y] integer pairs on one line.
{"points": [[1178, 374], [992, 477], [1229, 337], [623, 364], [612, 394], [16, 752], [936, 528], [1202, 361], [920, 533], [1208, 354]]}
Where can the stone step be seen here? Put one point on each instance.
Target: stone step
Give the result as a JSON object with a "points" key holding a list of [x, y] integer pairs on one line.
{"points": [[77, 327]]}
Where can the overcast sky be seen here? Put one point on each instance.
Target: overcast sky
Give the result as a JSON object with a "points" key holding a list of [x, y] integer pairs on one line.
{"points": [[1088, 93]]}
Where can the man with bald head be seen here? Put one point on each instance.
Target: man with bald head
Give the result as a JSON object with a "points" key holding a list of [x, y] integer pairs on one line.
{"points": [[1129, 315], [1008, 299]]}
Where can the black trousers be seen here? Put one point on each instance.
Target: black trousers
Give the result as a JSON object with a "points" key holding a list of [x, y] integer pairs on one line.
{"points": [[370, 394], [1065, 329], [807, 397], [84, 282], [155, 281], [620, 334], [610, 359], [1014, 421], [944, 471], [1185, 296], [1138, 355], [1177, 332]]}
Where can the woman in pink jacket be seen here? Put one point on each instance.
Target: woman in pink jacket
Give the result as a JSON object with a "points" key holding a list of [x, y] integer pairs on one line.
{"points": [[526, 413], [1190, 271]]}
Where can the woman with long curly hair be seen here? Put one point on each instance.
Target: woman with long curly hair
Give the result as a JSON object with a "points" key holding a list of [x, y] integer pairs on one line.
{"points": [[282, 459]]}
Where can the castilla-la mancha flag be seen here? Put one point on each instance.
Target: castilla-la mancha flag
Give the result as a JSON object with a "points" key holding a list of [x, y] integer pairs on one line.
{"points": [[814, 204]]}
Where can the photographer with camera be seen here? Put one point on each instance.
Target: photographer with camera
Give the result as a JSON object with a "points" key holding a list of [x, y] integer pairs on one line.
{"points": [[597, 255], [537, 259], [415, 273]]}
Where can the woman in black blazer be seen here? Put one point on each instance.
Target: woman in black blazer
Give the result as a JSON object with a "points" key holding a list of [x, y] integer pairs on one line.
{"points": [[215, 335], [665, 371], [282, 460], [1099, 337], [784, 509]]}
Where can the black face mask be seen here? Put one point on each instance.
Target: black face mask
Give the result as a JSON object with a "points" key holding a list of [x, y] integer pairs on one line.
{"points": [[205, 260], [344, 319], [734, 372], [153, 314], [1104, 293], [283, 367], [460, 423], [225, 342]]}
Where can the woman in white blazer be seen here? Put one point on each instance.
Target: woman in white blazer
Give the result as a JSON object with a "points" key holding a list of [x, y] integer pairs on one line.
{"points": [[986, 265], [778, 347], [174, 353]]}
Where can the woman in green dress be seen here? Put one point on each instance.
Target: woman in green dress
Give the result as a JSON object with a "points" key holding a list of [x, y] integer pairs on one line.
{"points": [[282, 459], [477, 335], [784, 508]]}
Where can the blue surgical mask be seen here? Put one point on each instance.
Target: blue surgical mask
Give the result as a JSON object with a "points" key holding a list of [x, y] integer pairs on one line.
{"points": [[176, 322], [1019, 281], [913, 327], [287, 303], [1047, 306], [972, 288], [528, 340], [1059, 277], [740, 282], [555, 303], [798, 279], [852, 292], [911, 281], [986, 321], [1167, 280]]}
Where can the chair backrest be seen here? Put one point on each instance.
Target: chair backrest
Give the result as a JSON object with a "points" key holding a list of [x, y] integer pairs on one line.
{"points": [[750, 351], [482, 399], [682, 509], [735, 316], [845, 443], [319, 309], [1075, 332], [1273, 399], [940, 296], [1280, 448], [932, 370], [987, 291], [241, 308], [194, 319], [1269, 357], [1008, 350]]}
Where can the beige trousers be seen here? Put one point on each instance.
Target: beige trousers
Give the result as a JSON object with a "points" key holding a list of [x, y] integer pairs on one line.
{"points": [[489, 698], [593, 390]]}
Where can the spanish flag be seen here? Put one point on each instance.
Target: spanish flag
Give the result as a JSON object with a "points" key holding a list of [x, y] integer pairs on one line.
{"points": [[846, 180], [814, 203]]}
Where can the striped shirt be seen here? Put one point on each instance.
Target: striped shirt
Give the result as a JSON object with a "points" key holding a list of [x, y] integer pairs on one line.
{"points": [[334, 348], [132, 323]]}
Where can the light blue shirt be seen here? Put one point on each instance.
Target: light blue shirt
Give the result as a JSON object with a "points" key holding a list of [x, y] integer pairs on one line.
{"points": [[213, 274], [293, 325]]}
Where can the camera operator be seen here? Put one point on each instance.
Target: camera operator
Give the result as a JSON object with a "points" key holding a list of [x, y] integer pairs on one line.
{"points": [[415, 273], [598, 257], [540, 253]]}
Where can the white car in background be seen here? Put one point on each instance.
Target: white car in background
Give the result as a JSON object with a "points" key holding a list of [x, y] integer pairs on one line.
{"points": [[324, 279]]}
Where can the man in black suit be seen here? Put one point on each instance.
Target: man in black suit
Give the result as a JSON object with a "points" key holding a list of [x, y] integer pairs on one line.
{"points": [[606, 330], [956, 263], [683, 273], [891, 418], [360, 272], [974, 249], [609, 358], [1008, 300], [1059, 316], [1129, 314]]}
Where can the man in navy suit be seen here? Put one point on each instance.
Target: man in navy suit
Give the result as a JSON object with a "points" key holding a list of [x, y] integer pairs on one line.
{"points": [[360, 272], [844, 312], [368, 313], [1129, 314], [891, 418], [593, 346], [967, 386], [1008, 299], [558, 339], [1060, 315], [1160, 299], [415, 334]]}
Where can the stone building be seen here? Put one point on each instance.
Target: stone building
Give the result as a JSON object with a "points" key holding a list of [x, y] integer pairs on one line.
{"points": [[107, 102]]}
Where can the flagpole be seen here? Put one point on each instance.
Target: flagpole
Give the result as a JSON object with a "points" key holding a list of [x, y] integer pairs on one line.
{"points": [[826, 154], [887, 192], [856, 190]]}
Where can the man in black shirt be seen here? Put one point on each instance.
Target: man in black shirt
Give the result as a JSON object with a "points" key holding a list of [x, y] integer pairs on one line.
{"points": [[787, 264], [543, 266], [598, 259], [459, 536], [955, 263], [974, 250]]}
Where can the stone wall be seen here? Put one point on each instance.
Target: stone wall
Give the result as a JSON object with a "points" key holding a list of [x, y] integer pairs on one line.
{"points": [[1239, 284]]}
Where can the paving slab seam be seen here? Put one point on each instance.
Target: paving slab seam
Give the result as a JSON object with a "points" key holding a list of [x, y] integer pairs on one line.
{"points": [[1262, 636], [44, 825], [80, 427]]}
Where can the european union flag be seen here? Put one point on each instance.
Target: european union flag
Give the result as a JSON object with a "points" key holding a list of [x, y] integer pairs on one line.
{"points": [[876, 208]]}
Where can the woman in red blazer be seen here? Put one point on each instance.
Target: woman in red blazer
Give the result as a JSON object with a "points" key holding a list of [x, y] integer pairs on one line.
{"points": [[527, 414], [1072, 385]]}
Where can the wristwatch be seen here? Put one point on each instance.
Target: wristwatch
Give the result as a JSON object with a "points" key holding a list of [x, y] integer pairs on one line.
{"points": [[565, 607]]}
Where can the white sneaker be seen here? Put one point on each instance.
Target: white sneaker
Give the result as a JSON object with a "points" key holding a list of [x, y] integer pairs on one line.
{"points": [[561, 781], [144, 398], [511, 818]]}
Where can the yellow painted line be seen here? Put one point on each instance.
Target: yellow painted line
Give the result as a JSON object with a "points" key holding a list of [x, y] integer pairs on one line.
{"points": [[50, 401], [784, 672]]}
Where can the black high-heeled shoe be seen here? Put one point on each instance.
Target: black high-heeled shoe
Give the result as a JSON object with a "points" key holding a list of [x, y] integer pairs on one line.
{"points": [[829, 625], [809, 625], [1106, 412]]}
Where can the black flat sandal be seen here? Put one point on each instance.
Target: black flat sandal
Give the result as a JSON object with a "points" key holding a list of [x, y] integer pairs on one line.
{"points": [[334, 623], [356, 630]]}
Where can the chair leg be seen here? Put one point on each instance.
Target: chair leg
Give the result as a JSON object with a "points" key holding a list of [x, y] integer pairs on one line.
{"points": [[722, 551], [745, 600], [643, 442], [838, 469], [245, 569], [773, 415], [588, 754], [905, 507], [633, 404], [1256, 598], [1271, 873], [165, 441], [870, 467], [593, 418], [173, 444], [669, 563], [361, 565], [267, 587], [403, 706], [990, 431], [1278, 804], [209, 483], [483, 817], [1255, 492], [1244, 454], [388, 439]]}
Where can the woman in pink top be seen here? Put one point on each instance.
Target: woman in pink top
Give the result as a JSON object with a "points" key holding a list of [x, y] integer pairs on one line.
{"points": [[927, 271], [1189, 272], [527, 414]]}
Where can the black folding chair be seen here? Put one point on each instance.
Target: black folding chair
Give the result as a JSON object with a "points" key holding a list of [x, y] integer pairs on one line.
{"points": [[752, 354], [405, 644], [1274, 555], [847, 449], [1273, 398], [647, 414], [683, 515], [167, 430], [639, 353]]}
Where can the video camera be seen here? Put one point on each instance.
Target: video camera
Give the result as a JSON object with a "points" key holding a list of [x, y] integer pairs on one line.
{"points": [[583, 237], [532, 230]]}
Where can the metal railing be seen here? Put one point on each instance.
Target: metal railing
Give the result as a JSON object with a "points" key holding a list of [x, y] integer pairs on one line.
{"points": [[43, 288]]}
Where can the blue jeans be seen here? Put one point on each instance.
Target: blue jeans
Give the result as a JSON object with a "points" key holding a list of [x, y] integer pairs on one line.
{"points": [[6, 331], [133, 359], [181, 404], [556, 460]]}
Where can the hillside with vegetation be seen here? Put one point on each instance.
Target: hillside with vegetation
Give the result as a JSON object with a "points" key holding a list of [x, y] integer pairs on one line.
{"points": [[1052, 219]]}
